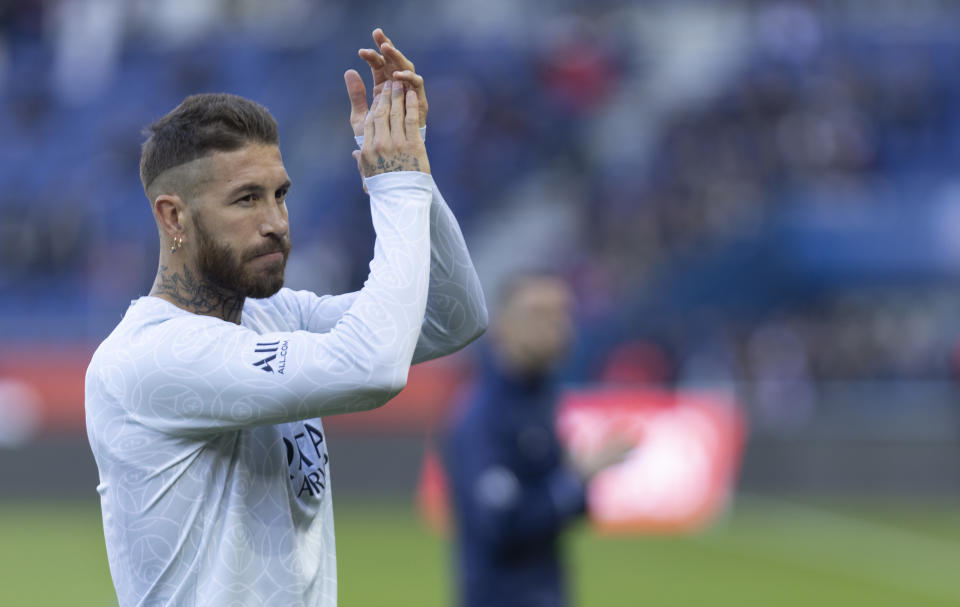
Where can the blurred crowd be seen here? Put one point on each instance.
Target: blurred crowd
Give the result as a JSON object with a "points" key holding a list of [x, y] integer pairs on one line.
{"points": [[668, 187]]}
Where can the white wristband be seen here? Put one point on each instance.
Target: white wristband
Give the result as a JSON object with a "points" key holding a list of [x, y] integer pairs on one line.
{"points": [[423, 135]]}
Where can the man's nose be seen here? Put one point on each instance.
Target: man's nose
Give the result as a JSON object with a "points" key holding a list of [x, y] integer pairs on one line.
{"points": [[274, 222]]}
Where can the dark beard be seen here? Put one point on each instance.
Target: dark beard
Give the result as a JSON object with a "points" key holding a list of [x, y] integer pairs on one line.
{"points": [[218, 266]]}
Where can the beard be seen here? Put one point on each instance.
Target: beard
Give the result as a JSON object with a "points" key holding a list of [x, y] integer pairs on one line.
{"points": [[219, 266]]}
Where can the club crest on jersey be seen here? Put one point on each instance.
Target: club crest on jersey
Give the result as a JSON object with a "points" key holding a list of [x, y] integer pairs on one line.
{"points": [[307, 458], [274, 356]]}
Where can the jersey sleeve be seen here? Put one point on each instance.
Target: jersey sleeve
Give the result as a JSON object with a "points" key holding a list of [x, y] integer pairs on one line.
{"points": [[456, 313], [197, 374]]}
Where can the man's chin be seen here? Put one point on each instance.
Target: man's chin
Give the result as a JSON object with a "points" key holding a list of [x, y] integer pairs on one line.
{"points": [[264, 289]]}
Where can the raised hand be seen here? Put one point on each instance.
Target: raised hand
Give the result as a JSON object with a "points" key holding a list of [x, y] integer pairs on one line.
{"points": [[391, 65], [589, 464], [391, 135]]}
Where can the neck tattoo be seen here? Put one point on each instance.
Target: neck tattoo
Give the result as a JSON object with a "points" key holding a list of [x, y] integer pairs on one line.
{"points": [[197, 296]]}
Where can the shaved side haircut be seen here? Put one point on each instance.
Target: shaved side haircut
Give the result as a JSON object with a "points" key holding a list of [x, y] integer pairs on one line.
{"points": [[201, 125]]}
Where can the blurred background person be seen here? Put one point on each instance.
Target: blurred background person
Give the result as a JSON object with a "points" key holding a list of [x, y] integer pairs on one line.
{"points": [[514, 489]]}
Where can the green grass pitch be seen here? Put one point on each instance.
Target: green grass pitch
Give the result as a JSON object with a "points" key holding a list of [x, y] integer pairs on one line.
{"points": [[766, 552]]}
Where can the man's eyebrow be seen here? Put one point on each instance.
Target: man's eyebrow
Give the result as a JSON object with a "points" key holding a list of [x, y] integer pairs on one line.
{"points": [[255, 188]]}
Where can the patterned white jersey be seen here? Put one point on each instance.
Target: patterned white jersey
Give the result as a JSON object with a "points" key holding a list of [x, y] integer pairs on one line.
{"points": [[214, 474]]}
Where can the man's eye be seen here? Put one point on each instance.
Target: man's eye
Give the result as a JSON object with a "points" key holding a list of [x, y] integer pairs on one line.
{"points": [[281, 195], [247, 198]]}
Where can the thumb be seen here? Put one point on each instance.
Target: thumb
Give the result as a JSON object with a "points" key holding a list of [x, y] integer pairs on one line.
{"points": [[357, 92]]}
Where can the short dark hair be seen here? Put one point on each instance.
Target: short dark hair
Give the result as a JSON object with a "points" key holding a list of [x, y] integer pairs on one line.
{"points": [[201, 124]]}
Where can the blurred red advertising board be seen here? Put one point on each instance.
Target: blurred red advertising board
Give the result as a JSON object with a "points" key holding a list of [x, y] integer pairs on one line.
{"points": [[679, 476], [677, 479]]}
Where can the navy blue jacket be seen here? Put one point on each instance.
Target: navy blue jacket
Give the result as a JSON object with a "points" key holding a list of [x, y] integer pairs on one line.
{"points": [[512, 494]]}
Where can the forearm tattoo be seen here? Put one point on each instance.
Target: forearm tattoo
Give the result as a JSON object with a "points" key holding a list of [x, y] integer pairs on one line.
{"points": [[197, 296]]}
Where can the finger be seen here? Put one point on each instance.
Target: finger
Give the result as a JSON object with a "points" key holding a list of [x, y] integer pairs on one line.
{"points": [[379, 37], [372, 57], [411, 123], [357, 92], [394, 58], [397, 113], [381, 115], [369, 125], [377, 66], [415, 82]]}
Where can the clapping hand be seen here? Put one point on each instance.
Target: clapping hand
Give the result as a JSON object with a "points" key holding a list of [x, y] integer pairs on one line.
{"points": [[391, 135], [389, 66]]}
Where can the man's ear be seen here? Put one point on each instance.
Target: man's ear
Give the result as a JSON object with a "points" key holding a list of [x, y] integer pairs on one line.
{"points": [[169, 211]]}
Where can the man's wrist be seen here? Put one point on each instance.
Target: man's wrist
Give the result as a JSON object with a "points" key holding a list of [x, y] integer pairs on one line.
{"points": [[399, 179]]}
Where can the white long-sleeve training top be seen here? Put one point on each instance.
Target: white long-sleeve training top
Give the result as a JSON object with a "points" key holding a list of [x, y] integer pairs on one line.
{"points": [[214, 474]]}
